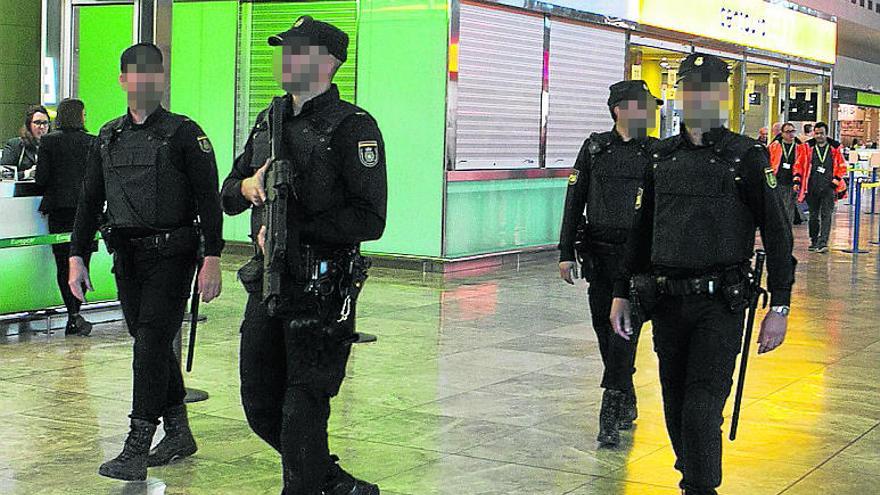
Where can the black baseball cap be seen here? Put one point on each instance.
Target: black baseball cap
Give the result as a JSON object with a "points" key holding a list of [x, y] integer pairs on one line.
{"points": [[308, 31], [701, 67], [630, 90]]}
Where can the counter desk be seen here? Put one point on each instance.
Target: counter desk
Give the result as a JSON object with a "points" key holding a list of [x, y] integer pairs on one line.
{"points": [[28, 288]]}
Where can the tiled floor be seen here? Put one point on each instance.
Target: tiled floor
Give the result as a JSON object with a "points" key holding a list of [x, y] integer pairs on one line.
{"points": [[486, 385]]}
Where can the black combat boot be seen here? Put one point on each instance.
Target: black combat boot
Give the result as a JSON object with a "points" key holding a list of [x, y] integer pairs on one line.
{"points": [[131, 464], [339, 482], [71, 329], [77, 325], [629, 411], [609, 417], [178, 441]]}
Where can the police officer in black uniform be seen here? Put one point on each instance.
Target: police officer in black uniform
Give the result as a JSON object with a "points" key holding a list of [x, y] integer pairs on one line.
{"points": [[689, 250], [157, 174], [293, 363], [606, 177]]}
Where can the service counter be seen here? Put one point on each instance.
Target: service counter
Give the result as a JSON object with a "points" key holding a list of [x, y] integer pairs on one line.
{"points": [[27, 268]]}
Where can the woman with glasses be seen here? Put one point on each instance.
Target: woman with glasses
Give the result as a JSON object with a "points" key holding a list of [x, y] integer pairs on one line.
{"points": [[63, 155], [22, 151]]}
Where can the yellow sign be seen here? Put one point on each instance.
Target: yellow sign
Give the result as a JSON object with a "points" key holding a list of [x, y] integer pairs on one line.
{"points": [[771, 89], [636, 72], [808, 94], [752, 23]]}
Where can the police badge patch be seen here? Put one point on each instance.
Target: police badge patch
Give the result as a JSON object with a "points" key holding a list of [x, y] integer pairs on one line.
{"points": [[771, 179], [573, 178], [639, 199], [205, 144], [368, 153]]}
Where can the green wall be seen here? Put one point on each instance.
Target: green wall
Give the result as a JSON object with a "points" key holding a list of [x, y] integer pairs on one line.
{"points": [[19, 63], [502, 215], [203, 45], [401, 80], [104, 32]]}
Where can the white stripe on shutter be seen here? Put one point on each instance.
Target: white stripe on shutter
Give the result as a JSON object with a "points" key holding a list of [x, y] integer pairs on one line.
{"points": [[499, 89], [584, 62]]}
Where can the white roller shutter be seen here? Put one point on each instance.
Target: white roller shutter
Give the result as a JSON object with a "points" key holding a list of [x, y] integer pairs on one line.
{"points": [[584, 61], [499, 89]]}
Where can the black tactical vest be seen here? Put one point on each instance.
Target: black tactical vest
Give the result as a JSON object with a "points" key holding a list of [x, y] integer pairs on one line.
{"points": [[616, 172], [143, 187], [700, 220], [307, 141]]}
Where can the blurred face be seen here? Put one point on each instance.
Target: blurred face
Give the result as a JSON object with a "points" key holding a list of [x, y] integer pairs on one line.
{"points": [[762, 135], [788, 133], [704, 104], [776, 129], [144, 83], [637, 116], [39, 125], [302, 69], [820, 135]]}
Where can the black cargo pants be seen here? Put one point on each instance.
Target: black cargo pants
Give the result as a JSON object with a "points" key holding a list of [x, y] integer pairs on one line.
{"points": [[153, 286], [618, 354], [287, 380], [697, 339]]}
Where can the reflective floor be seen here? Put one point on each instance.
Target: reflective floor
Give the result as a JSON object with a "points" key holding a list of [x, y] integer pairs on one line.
{"points": [[486, 385]]}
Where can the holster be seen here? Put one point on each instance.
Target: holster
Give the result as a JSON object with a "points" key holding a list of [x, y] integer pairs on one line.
{"points": [[643, 296]]}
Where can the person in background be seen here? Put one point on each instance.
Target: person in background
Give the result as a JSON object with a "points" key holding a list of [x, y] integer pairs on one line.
{"points": [[808, 133], [856, 144], [786, 156], [820, 181], [762, 135], [22, 151], [776, 131], [63, 155]]}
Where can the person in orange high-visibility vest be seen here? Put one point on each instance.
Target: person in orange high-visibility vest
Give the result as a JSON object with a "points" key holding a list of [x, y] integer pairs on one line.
{"points": [[786, 156], [820, 180]]}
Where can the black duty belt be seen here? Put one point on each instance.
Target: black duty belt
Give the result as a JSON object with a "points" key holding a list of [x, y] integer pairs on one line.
{"points": [[160, 240], [705, 285]]}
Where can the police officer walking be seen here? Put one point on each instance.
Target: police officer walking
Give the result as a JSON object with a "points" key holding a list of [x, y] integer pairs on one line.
{"points": [[607, 174], [690, 246], [157, 174], [294, 353]]}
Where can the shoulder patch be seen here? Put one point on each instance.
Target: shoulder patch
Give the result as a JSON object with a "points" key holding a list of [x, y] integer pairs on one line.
{"points": [[205, 144], [573, 177], [639, 198], [368, 153], [771, 178]]}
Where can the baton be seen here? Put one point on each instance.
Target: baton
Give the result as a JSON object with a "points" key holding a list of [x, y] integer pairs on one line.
{"points": [[757, 292], [194, 320]]}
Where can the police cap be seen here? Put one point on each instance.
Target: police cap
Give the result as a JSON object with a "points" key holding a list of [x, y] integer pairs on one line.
{"points": [[307, 31], [700, 67], [630, 90]]}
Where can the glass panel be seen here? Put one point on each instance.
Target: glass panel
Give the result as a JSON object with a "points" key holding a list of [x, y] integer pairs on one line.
{"points": [[809, 99], [764, 98]]}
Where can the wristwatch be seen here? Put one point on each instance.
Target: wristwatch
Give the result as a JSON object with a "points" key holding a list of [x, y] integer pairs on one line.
{"points": [[783, 310]]}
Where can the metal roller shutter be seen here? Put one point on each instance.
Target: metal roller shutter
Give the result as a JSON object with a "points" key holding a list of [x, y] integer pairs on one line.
{"points": [[584, 61], [257, 85], [499, 89]]}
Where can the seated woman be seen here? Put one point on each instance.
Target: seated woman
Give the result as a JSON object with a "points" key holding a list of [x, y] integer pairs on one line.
{"points": [[63, 155], [22, 151]]}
